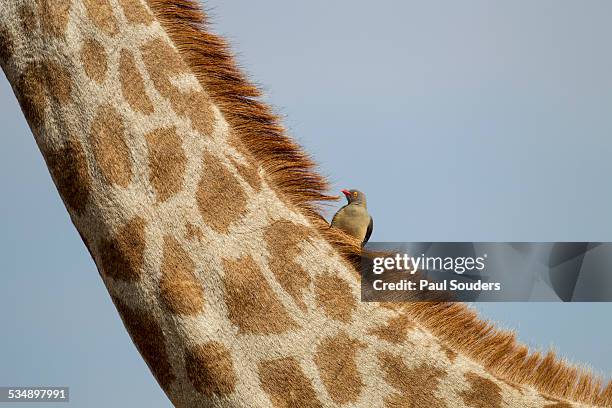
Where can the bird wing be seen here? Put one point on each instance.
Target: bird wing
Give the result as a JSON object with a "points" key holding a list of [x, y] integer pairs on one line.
{"points": [[336, 214], [368, 232]]}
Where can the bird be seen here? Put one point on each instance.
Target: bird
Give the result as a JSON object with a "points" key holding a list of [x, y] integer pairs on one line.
{"points": [[354, 218]]}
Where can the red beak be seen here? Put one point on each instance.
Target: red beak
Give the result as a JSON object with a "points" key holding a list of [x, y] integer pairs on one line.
{"points": [[346, 193]]}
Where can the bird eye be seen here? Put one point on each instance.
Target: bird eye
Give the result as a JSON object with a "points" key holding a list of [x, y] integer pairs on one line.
{"points": [[355, 194]]}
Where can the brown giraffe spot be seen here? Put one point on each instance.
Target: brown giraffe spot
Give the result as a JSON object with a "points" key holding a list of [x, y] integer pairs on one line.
{"points": [[197, 106], [162, 74], [286, 385], [135, 12], [247, 171], [101, 14], [149, 340], [194, 232], [450, 354], [221, 200], [68, 166], [180, 290], [56, 16], [167, 162], [122, 256], [6, 45], [283, 239], [132, 84], [59, 82], [93, 58], [395, 330], [32, 95], [251, 304], [336, 361], [109, 146], [483, 393], [194, 105], [416, 386], [210, 369], [37, 80], [333, 295], [27, 18]]}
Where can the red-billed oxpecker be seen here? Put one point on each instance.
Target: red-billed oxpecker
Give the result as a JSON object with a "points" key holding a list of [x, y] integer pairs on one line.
{"points": [[354, 218]]}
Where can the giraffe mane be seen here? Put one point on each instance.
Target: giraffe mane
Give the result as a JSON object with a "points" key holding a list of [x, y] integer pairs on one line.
{"points": [[294, 176], [289, 168]]}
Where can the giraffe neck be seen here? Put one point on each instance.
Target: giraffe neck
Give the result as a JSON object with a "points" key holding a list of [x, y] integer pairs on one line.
{"points": [[229, 288]]}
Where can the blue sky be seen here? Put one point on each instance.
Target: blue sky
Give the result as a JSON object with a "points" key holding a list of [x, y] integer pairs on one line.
{"points": [[473, 121]]}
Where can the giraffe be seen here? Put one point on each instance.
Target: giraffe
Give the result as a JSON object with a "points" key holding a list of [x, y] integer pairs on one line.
{"points": [[201, 217]]}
